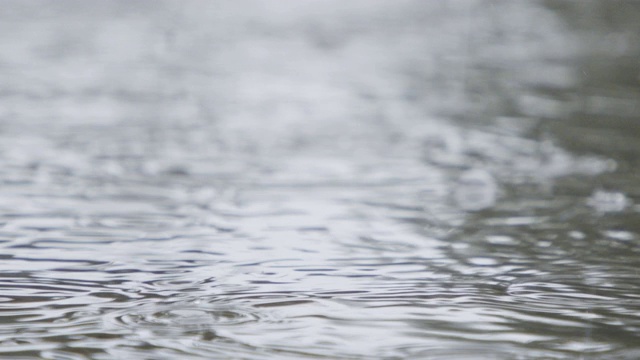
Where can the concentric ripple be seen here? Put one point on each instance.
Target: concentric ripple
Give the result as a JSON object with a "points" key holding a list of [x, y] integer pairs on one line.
{"points": [[186, 318]]}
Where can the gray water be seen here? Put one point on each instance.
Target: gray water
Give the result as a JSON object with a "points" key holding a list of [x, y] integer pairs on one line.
{"points": [[319, 179]]}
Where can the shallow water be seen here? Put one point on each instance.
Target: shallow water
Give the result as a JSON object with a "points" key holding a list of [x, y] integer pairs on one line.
{"points": [[340, 181]]}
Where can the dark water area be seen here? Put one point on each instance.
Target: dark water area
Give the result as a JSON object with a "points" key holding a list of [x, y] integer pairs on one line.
{"points": [[319, 179]]}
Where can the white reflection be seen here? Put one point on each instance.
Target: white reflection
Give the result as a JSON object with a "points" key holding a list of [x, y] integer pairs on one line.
{"points": [[608, 201]]}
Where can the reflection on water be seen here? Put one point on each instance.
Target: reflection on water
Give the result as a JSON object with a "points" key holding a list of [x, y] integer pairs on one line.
{"points": [[363, 179], [476, 190]]}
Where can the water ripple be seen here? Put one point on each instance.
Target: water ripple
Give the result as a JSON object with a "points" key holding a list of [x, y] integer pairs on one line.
{"points": [[415, 180]]}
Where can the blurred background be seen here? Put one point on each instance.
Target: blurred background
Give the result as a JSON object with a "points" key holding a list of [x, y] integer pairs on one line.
{"points": [[256, 73]]}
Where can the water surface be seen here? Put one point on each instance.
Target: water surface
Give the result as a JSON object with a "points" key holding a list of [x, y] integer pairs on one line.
{"points": [[451, 180]]}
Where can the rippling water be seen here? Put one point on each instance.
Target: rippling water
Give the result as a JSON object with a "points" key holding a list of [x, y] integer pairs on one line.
{"points": [[446, 181]]}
